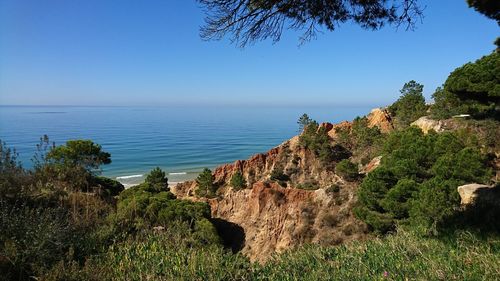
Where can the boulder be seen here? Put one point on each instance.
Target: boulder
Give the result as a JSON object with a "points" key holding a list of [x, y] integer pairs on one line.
{"points": [[469, 192], [426, 124]]}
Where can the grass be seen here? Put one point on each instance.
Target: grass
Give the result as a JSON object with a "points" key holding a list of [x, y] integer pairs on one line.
{"points": [[404, 256]]}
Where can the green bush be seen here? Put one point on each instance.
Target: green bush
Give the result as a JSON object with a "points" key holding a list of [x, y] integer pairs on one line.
{"points": [[347, 170], [470, 89], [238, 181], [110, 187], [417, 180], [316, 139]]}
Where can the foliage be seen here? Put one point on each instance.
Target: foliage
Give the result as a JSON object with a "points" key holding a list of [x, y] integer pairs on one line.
{"points": [[157, 179], [471, 89], [316, 139], [279, 176], [461, 256], [308, 185], [172, 254], [206, 185], [304, 121], [144, 206], [347, 170], [238, 181], [84, 153], [362, 135], [410, 106], [250, 21], [489, 8], [12, 176], [417, 180], [109, 186], [334, 188], [35, 238]]}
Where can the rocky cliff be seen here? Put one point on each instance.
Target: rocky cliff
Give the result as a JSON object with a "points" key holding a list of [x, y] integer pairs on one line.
{"points": [[313, 206]]}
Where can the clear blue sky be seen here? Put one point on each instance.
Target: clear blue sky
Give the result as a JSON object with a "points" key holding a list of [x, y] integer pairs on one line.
{"points": [[96, 52]]}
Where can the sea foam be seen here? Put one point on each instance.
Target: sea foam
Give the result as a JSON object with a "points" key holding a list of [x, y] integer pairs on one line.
{"points": [[128, 177]]}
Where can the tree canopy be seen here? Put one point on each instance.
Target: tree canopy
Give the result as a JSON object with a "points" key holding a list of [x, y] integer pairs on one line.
{"points": [[84, 153], [489, 8], [472, 88], [248, 21], [411, 104]]}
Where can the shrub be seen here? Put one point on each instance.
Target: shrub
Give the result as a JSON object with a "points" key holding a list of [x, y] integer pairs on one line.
{"points": [[238, 181], [109, 186], [308, 185], [316, 139], [417, 180], [334, 188], [347, 170], [277, 174]]}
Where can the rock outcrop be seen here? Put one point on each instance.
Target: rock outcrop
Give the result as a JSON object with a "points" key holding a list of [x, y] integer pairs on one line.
{"points": [[380, 118], [426, 124], [313, 205], [372, 165], [275, 218], [298, 163]]}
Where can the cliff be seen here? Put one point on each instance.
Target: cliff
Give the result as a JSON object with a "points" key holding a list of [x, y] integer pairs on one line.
{"points": [[313, 206]]}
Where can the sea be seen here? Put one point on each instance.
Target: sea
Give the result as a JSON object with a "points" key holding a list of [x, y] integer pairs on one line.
{"points": [[181, 140]]}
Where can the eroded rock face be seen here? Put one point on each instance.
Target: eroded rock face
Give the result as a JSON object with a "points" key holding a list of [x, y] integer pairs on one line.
{"points": [[274, 218], [298, 163], [380, 118], [372, 165]]}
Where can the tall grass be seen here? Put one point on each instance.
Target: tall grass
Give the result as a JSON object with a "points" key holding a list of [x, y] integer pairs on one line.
{"points": [[404, 256]]}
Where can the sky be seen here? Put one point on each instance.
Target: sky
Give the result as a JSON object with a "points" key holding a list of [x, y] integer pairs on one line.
{"points": [[149, 53]]}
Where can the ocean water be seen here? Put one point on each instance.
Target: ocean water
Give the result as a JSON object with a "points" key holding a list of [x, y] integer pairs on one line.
{"points": [[180, 140]]}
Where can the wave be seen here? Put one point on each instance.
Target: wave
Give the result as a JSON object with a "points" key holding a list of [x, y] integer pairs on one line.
{"points": [[178, 173], [129, 177]]}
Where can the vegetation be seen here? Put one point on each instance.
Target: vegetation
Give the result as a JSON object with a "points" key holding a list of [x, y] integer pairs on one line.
{"points": [[304, 121], [347, 170], [410, 106], [206, 185], [471, 89], [279, 176], [417, 180], [238, 181], [362, 141], [489, 8], [52, 227], [316, 139], [157, 179], [250, 21], [460, 256], [167, 256], [62, 221]]}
